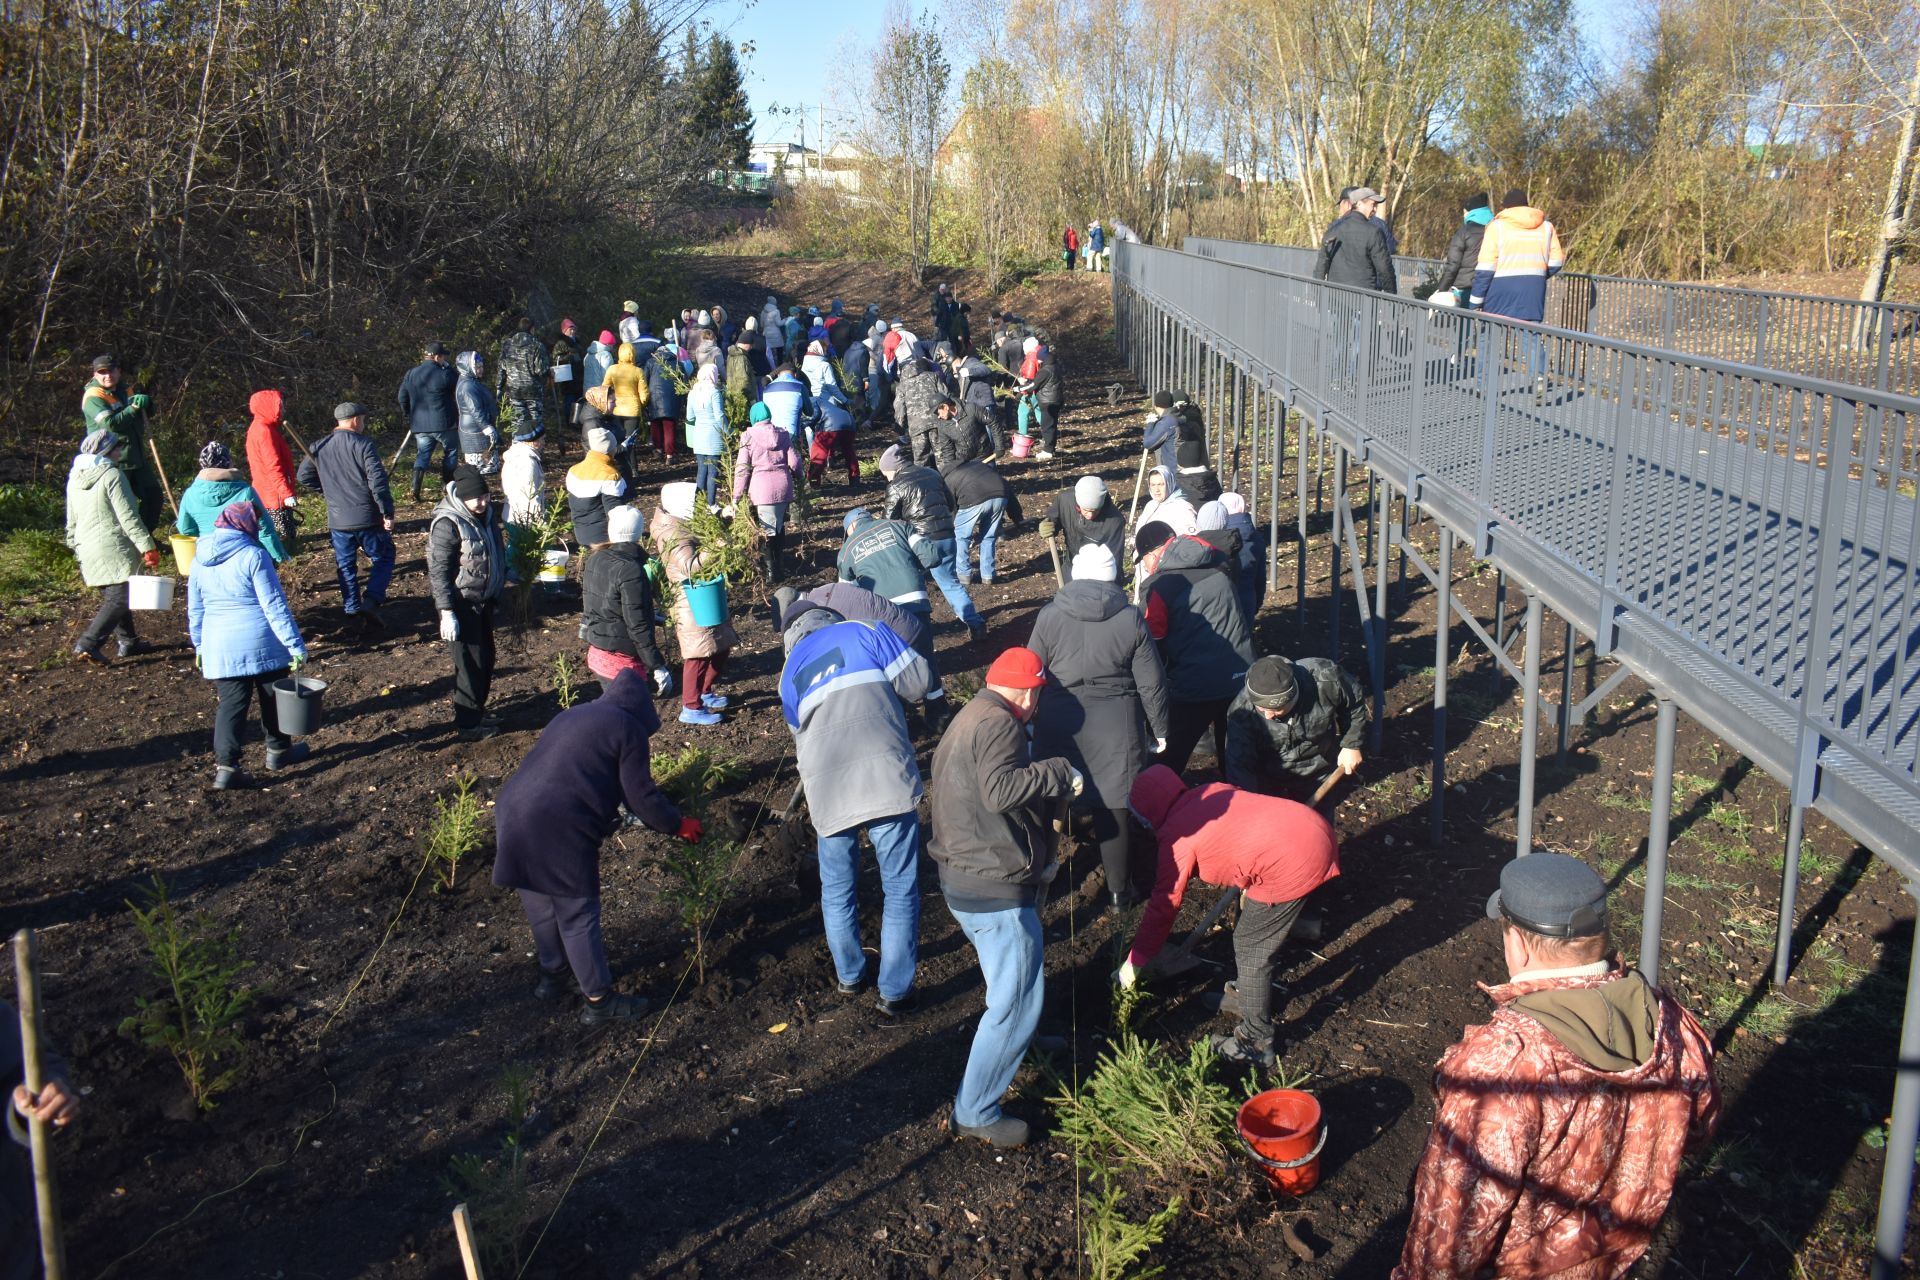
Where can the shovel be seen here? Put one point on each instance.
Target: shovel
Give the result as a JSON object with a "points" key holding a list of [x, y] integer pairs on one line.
{"points": [[1138, 481], [1058, 576]]}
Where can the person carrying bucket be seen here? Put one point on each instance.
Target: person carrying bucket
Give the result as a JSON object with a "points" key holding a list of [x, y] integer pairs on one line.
{"points": [[108, 538], [1574, 1104], [244, 638], [467, 570], [1274, 849], [703, 648]]}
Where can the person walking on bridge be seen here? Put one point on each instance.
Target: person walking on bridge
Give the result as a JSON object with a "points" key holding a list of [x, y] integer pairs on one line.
{"points": [[1518, 254]]}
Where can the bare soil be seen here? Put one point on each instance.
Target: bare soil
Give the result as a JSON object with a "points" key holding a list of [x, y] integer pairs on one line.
{"points": [[763, 1126]]}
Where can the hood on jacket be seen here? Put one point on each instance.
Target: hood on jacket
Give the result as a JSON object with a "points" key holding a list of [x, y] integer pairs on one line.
{"points": [[217, 545], [216, 475], [1613, 1027], [633, 694], [1154, 793], [266, 407], [1478, 217], [468, 362], [626, 353], [1523, 216], [1090, 600], [1190, 553], [92, 470], [597, 347]]}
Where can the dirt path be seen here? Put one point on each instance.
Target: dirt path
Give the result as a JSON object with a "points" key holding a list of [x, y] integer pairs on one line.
{"points": [[724, 1148]]}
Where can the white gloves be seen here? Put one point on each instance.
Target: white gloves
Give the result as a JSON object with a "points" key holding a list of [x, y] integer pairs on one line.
{"points": [[292, 501], [1159, 746], [1349, 761], [662, 681], [1126, 975], [449, 626], [726, 512], [1079, 780]]}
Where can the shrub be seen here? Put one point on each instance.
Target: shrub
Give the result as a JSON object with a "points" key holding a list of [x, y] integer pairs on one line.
{"points": [[698, 876], [1142, 1107], [197, 1020], [495, 1189], [455, 830], [692, 774], [1111, 1243]]}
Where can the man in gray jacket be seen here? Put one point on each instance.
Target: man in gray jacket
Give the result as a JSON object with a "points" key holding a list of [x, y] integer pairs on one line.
{"points": [[844, 691]]}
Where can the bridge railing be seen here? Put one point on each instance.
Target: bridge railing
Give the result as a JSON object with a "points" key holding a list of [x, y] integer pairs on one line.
{"points": [[1753, 525], [1863, 344]]}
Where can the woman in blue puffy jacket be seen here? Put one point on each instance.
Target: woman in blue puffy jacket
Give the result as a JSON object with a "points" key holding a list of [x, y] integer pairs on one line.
{"points": [[244, 638]]}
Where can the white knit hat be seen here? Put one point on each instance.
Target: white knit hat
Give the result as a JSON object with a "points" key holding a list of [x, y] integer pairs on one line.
{"points": [[1089, 492], [1095, 562], [623, 524], [676, 499]]}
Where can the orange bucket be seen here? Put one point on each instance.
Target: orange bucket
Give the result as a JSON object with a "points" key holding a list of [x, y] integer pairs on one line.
{"points": [[1283, 1133]]}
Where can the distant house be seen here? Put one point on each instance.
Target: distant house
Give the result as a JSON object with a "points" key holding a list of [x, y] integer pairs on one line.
{"points": [[789, 164], [955, 157]]}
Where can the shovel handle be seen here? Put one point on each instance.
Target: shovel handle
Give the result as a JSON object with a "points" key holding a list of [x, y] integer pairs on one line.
{"points": [[46, 1184]]}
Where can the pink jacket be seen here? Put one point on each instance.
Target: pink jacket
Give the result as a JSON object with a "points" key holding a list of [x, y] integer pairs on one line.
{"points": [[766, 465], [1539, 1165]]}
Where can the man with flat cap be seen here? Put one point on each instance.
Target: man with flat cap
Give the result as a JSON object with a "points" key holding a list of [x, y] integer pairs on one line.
{"points": [[1293, 723], [1560, 1124], [346, 469]]}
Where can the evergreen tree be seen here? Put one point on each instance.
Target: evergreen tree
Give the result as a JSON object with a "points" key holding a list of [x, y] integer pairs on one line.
{"points": [[720, 101]]}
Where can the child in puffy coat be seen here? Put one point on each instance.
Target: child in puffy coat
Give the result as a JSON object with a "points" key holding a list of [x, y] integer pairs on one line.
{"points": [[764, 472]]}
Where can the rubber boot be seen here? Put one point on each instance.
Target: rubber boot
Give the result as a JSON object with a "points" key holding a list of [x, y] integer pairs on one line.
{"points": [[776, 543], [417, 474]]}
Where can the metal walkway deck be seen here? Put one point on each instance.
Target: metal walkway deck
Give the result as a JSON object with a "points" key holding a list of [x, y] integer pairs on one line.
{"points": [[1745, 541]]}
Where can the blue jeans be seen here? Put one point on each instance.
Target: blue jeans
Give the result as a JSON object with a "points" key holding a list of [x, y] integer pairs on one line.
{"points": [[985, 518], [378, 544], [706, 473], [1533, 350], [896, 847], [1011, 951], [945, 573], [423, 446]]}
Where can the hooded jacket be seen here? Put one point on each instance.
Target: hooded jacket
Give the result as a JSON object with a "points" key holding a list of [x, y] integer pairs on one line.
{"points": [[211, 492], [1558, 1131], [1517, 254], [819, 373], [1046, 378], [594, 488], [347, 470], [878, 555], [1103, 677], [1276, 850], [523, 480], [466, 554], [706, 428], [916, 495], [970, 484], [684, 564], [1463, 250], [426, 398], [1107, 526], [843, 692], [1192, 610], [103, 524], [1355, 252], [269, 461], [237, 614], [565, 798], [765, 466], [626, 382], [595, 363], [617, 604], [477, 408], [990, 804], [1276, 756], [788, 401], [916, 404]]}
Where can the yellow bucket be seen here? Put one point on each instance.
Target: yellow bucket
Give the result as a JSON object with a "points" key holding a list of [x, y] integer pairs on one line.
{"points": [[183, 553]]}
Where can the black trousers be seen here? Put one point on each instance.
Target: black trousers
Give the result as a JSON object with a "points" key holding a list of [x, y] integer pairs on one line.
{"points": [[472, 662], [230, 716], [1257, 940], [1186, 721], [1127, 880], [1048, 416], [113, 617]]}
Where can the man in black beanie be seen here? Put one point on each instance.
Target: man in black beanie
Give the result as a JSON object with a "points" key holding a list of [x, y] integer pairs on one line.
{"points": [[1162, 427], [1295, 722]]}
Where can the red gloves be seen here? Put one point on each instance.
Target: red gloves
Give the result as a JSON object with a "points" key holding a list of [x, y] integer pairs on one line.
{"points": [[689, 830], [151, 559]]}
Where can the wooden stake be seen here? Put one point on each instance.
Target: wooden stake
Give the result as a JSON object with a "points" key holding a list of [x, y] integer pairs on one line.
{"points": [[463, 1234], [165, 484], [1138, 481], [46, 1185], [1058, 576]]}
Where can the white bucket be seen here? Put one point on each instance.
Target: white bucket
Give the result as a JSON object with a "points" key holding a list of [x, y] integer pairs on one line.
{"points": [[145, 592], [554, 564]]}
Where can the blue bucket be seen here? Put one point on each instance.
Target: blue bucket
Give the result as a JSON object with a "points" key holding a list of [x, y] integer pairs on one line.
{"points": [[707, 601]]}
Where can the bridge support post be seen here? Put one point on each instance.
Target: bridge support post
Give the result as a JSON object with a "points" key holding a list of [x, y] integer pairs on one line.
{"points": [[1903, 1132], [1563, 721], [1383, 516], [1659, 824], [1442, 626], [1500, 608], [1301, 441], [1529, 727], [1342, 512], [1789, 893]]}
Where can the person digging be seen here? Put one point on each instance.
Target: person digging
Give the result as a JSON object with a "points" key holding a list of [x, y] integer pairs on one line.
{"points": [[1293, 725], [1277, 851]]}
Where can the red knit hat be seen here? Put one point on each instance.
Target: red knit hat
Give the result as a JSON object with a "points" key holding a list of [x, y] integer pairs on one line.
{"points": [[1017, 668]]}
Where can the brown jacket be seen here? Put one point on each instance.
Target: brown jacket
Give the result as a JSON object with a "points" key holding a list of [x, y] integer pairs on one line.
{"points": [[684, 564], [1541, 1165]]}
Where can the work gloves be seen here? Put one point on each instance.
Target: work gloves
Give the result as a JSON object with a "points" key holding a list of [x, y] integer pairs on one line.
{"points": [[1159, 746], [689, 830], [151, 559], [139, 401], [1126, 975], [1079, 780], [1046, 528], [292, 501], [294, 663], [662, 681], [449, 626]]}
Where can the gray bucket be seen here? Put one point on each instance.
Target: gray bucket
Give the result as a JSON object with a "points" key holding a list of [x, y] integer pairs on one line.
{"points": [[296, 702]]}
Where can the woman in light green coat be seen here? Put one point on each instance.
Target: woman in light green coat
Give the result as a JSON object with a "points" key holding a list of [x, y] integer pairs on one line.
{"points": [[107, 537]]}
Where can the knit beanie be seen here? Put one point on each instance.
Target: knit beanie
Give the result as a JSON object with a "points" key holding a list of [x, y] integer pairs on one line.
{"points": [[1212, 515], [890, 460], [241, 516], [1272, 684], [1153, 535], [858, 515], [676, 499], [599, 440], [1017, 668], [468, 483], [1094, 562], [1514, 199], [1089, 492], [214, 457], [606, 337], [1163, 399], [623, 523], [1478, 200], [759, 413], [538, 429], [805, 619]]}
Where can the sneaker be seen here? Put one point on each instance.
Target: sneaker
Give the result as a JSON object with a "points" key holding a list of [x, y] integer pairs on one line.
{"points": [[226, 777], [698, 715], [1043, 455], [1234, 1050], [1005, 1134], [479, 732], [552, 986], [132, 648], [986, 582], [900, 1008], [714, 701], [613, 1008], [91, 657], [291, 756]]}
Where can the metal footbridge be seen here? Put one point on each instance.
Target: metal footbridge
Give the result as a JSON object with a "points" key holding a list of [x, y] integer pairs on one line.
{"points": [[1741, 538]]}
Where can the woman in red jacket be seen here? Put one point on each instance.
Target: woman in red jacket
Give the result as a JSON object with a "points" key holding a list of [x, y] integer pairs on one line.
{"points": [[270, 464], [1278, 851]]}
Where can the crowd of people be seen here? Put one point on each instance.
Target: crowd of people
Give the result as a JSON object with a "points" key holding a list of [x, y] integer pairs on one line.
{"points": [[1145, 648]]}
